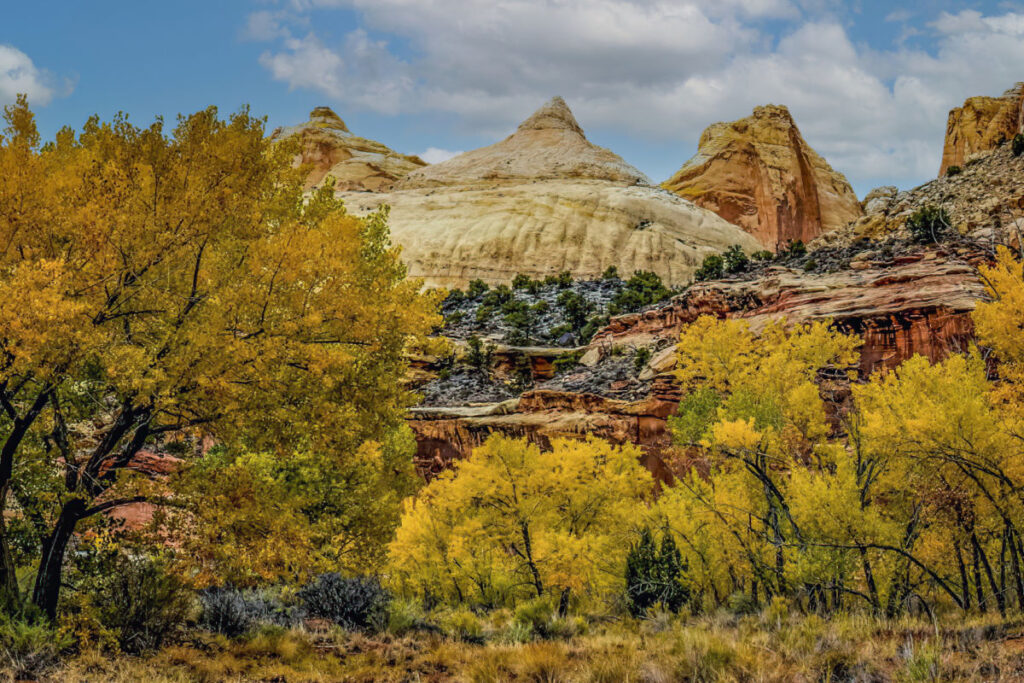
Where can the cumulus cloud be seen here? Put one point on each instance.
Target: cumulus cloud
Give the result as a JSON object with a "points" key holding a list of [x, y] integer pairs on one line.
{"points": [[434, 155], [660, 69], [18, 74]]}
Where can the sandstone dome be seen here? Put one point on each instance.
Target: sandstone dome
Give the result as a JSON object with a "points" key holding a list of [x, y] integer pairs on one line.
{"points": [[760, 173], [981, 125], [355, 163], [542, 201]]}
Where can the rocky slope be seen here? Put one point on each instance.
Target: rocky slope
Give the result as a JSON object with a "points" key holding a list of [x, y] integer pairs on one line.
{"points": [[543, 201], [980, 125], [759, 173], [355, 163]]}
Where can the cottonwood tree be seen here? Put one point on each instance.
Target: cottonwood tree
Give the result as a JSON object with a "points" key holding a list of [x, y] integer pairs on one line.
{"points": [[514, 522], [156, 284]]}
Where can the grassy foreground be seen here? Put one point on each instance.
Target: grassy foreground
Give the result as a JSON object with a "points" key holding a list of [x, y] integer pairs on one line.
{"points": [[712, 648]]}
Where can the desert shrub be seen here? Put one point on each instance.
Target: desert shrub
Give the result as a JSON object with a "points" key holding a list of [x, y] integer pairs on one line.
{"points": [[610, 273], [455, 297], [484, 315], [594, 324], [538, 615], [712, 268], [576, 308], [463, 625], [642, 289], [740, 603], [456, 317], [30, 648], [521, 281], [810, 264], [928, 223], [476, 289], [762, 255], [234, 612], [498, 296], [1017, 145], [653, 575], [954, 170], [142, 603], [564, 279], [795, 249], [405, 616], [353, 603], [567, 361], [735, 260], [643, 355]]}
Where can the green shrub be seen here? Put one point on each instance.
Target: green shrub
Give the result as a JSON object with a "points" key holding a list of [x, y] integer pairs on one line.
{"points": [[564, 279], [455, 297], [567, 361], [538, 615], [484, 314], [712, 268], [463, 625], [763, 255], [735, 260], [142, 603], [928, 223], [1017, 145], [576, 308], [795, 248], [642, 289], [643, 355], [521, 281], [29, 648], [479, 354], [610, 273], [456, 318], [476, 289], [405, 616], [954, 170], [595, 323], [498, 296], [810, 264], [234, 612]]}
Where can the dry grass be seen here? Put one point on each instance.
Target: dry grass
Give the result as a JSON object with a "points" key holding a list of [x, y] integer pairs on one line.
{"points": [[716, 648]]}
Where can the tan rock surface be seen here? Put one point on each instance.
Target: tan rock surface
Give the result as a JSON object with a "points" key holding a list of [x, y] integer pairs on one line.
{"points": [[356, 164], [542, 201], [760, 174], [980, 125]]}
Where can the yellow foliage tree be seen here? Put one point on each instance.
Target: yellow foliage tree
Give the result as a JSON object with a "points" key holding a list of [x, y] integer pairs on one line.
{"points": [[511, 522], [154, 284]]}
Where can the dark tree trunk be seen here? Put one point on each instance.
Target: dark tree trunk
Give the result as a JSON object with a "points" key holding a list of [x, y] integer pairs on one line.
{"points": [[51, 564]]}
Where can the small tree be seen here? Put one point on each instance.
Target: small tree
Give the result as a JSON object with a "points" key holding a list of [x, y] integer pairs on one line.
{"points": [[653, 576], [576, 307], [1018, 145], [479, 355], [735, 260], [928, 223]]}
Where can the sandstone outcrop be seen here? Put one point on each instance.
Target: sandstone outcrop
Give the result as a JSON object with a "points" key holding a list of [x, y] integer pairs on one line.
{"points": [[916, 302], [980, 125], [355, 163], [543, 201], [759, 173]]}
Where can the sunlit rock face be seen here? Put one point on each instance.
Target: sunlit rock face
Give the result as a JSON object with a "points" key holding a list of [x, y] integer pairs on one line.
{"points": [[981, 125], [759, 173], [542, 201], [355, 163]]}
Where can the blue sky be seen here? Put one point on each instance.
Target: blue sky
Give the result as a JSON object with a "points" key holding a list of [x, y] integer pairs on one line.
{"points": [[869, 82]]}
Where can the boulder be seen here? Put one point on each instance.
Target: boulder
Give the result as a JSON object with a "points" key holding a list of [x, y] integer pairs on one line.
{"points": [[759, 173]]}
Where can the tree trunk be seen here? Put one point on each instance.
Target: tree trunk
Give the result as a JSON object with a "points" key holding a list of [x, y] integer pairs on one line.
{"points": [[51, 564], [525, 529], [1018, 583]]}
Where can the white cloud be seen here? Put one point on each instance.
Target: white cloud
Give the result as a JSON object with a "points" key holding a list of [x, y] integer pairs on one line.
{"points": [[434, 155], [663, 69], [18, 74]]}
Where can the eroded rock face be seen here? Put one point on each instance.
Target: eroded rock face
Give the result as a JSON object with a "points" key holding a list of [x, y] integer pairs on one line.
{"points": [[355, 163], [916, 302], [760, 174], [543, 201], [980, 125]]}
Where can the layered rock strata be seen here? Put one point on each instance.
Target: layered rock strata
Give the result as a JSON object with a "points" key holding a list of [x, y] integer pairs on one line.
{"points": [[981, 125], [760, 173], [543, 201]]}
